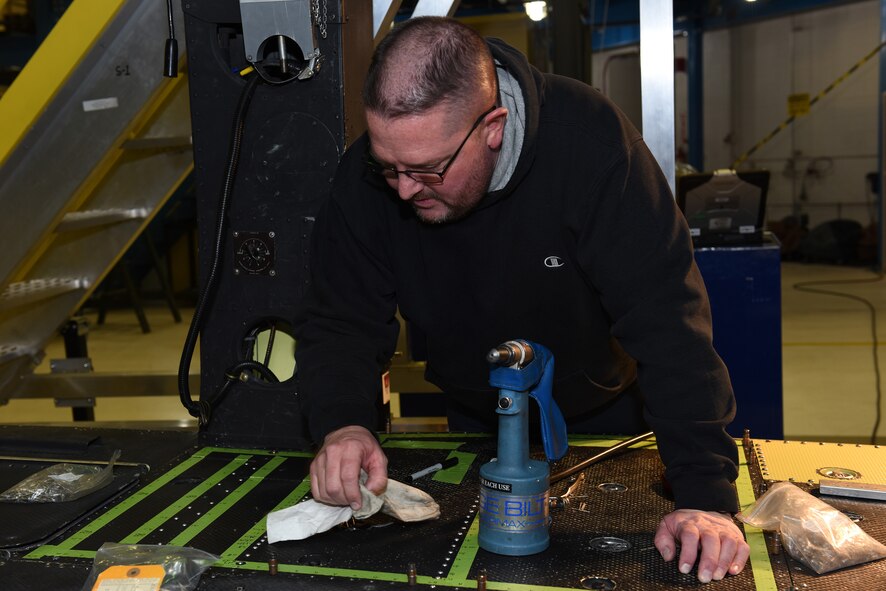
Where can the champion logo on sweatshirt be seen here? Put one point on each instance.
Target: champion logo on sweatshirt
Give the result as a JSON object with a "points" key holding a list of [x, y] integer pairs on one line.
{"points": [[553, 262]]}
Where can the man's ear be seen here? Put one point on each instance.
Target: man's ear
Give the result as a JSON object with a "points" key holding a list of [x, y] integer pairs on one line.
{"points": [[495, 127]]}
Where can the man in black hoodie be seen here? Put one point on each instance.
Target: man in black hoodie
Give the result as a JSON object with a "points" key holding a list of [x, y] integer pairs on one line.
{"points": [[487, 202]]}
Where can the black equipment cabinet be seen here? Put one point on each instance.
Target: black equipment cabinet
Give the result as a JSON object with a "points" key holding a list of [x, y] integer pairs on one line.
{"points": [[293, 136]]}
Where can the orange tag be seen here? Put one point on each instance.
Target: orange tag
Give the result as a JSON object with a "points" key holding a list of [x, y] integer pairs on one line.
{"points": [[386, 387], [146, 577]]}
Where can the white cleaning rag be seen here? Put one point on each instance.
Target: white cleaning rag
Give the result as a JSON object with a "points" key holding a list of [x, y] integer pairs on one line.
{"points": [[310, 517]]}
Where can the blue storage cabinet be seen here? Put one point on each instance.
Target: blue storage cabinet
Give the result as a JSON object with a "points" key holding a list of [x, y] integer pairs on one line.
{"points": [[744, 286]]}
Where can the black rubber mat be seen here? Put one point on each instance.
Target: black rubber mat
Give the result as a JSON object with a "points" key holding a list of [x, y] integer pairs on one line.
{"points": [[602, 538], [435, 548]]}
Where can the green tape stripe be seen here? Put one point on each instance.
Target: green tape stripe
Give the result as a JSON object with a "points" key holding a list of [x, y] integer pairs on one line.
{"points": [[320, 571], [257, 452], [257, 531], [380, 576], [461, 564], [409, 444], [94, 526], [457, 473], [229, 501], [186, 499], [444, 435], [648, 444], [759, 558], [457, 577], [574, 437], [522, 587], [54, 551], [464, 560]]}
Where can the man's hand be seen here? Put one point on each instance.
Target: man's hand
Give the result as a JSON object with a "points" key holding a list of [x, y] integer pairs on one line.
{"points": [[723, 548], [335, 472]]}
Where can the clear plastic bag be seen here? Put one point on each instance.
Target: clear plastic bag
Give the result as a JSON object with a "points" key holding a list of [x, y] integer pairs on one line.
{"points": [[174, 568], [813, 532], [61, 482]]}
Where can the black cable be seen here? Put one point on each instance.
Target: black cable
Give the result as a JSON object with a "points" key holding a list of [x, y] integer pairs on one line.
{"points": [[250, 341], [807, 287], [234, 375], [170, 55], [270, 344], [169, 14], [201, 410], [263, 370]]}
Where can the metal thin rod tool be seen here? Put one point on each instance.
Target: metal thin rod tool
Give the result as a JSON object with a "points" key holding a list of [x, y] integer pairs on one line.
{"points": [[600, 456]]}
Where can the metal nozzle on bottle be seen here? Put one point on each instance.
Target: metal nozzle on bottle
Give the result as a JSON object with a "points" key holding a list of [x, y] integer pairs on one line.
{"points": [[512, 354]]}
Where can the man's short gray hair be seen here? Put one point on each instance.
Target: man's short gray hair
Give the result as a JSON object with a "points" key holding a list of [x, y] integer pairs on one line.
{"points": [[426, 62]]}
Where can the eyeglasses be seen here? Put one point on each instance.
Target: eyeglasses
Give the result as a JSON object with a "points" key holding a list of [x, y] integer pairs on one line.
{"points": [[426, 177]]}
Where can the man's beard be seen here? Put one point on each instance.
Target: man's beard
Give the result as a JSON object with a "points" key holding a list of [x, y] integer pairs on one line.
{"points": [[473, 191]]}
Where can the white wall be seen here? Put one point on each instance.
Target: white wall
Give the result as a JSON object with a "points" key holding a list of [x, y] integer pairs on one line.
{"points": [[749, 73], [616, 74]]}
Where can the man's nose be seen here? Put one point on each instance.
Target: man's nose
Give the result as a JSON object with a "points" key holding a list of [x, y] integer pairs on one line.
{"points": [[408, 187]]}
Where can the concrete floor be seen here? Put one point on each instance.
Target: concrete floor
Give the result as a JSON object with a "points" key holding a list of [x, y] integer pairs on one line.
{"points": [[830, 378], [830, 383]]}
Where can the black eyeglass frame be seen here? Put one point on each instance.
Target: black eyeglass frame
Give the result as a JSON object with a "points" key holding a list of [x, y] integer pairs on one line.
{"points": [[425, 177]]}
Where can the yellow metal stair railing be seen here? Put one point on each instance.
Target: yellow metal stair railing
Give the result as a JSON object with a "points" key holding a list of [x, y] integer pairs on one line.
{"points": [[94, 142]]}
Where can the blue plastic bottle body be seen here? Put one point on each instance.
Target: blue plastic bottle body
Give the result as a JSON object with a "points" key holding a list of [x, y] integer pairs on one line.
{"points": [[514, 518]]}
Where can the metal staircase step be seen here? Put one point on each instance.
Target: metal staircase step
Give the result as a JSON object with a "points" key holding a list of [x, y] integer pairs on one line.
{"points": [[159, 143], [80, 220], [10, 352], [27, 292]]}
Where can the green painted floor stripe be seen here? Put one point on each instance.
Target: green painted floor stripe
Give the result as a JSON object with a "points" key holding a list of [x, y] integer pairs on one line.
{"points": [[409, 444], [764, 579], [457, 473], [113, 513], [249, 538], [227, 503], [186, 499]]}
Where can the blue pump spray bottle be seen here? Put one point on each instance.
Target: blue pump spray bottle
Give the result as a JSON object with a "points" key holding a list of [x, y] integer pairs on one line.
{"points": [[514, 515]]}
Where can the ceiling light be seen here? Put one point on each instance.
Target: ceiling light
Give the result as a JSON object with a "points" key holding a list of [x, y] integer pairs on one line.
{"points": [[536, 10]]}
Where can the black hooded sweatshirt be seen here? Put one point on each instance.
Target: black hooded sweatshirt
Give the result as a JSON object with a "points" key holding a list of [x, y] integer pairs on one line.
{"points": [[583, 251]]}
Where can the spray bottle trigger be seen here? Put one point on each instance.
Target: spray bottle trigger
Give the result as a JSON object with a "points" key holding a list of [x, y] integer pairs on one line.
{"points": [[540, 374], [553, 425]]}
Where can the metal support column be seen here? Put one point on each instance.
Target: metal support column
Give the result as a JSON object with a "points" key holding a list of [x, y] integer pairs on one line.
{"points": [[695, 69], [657, 82], [881, 238], [77, 359]]}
